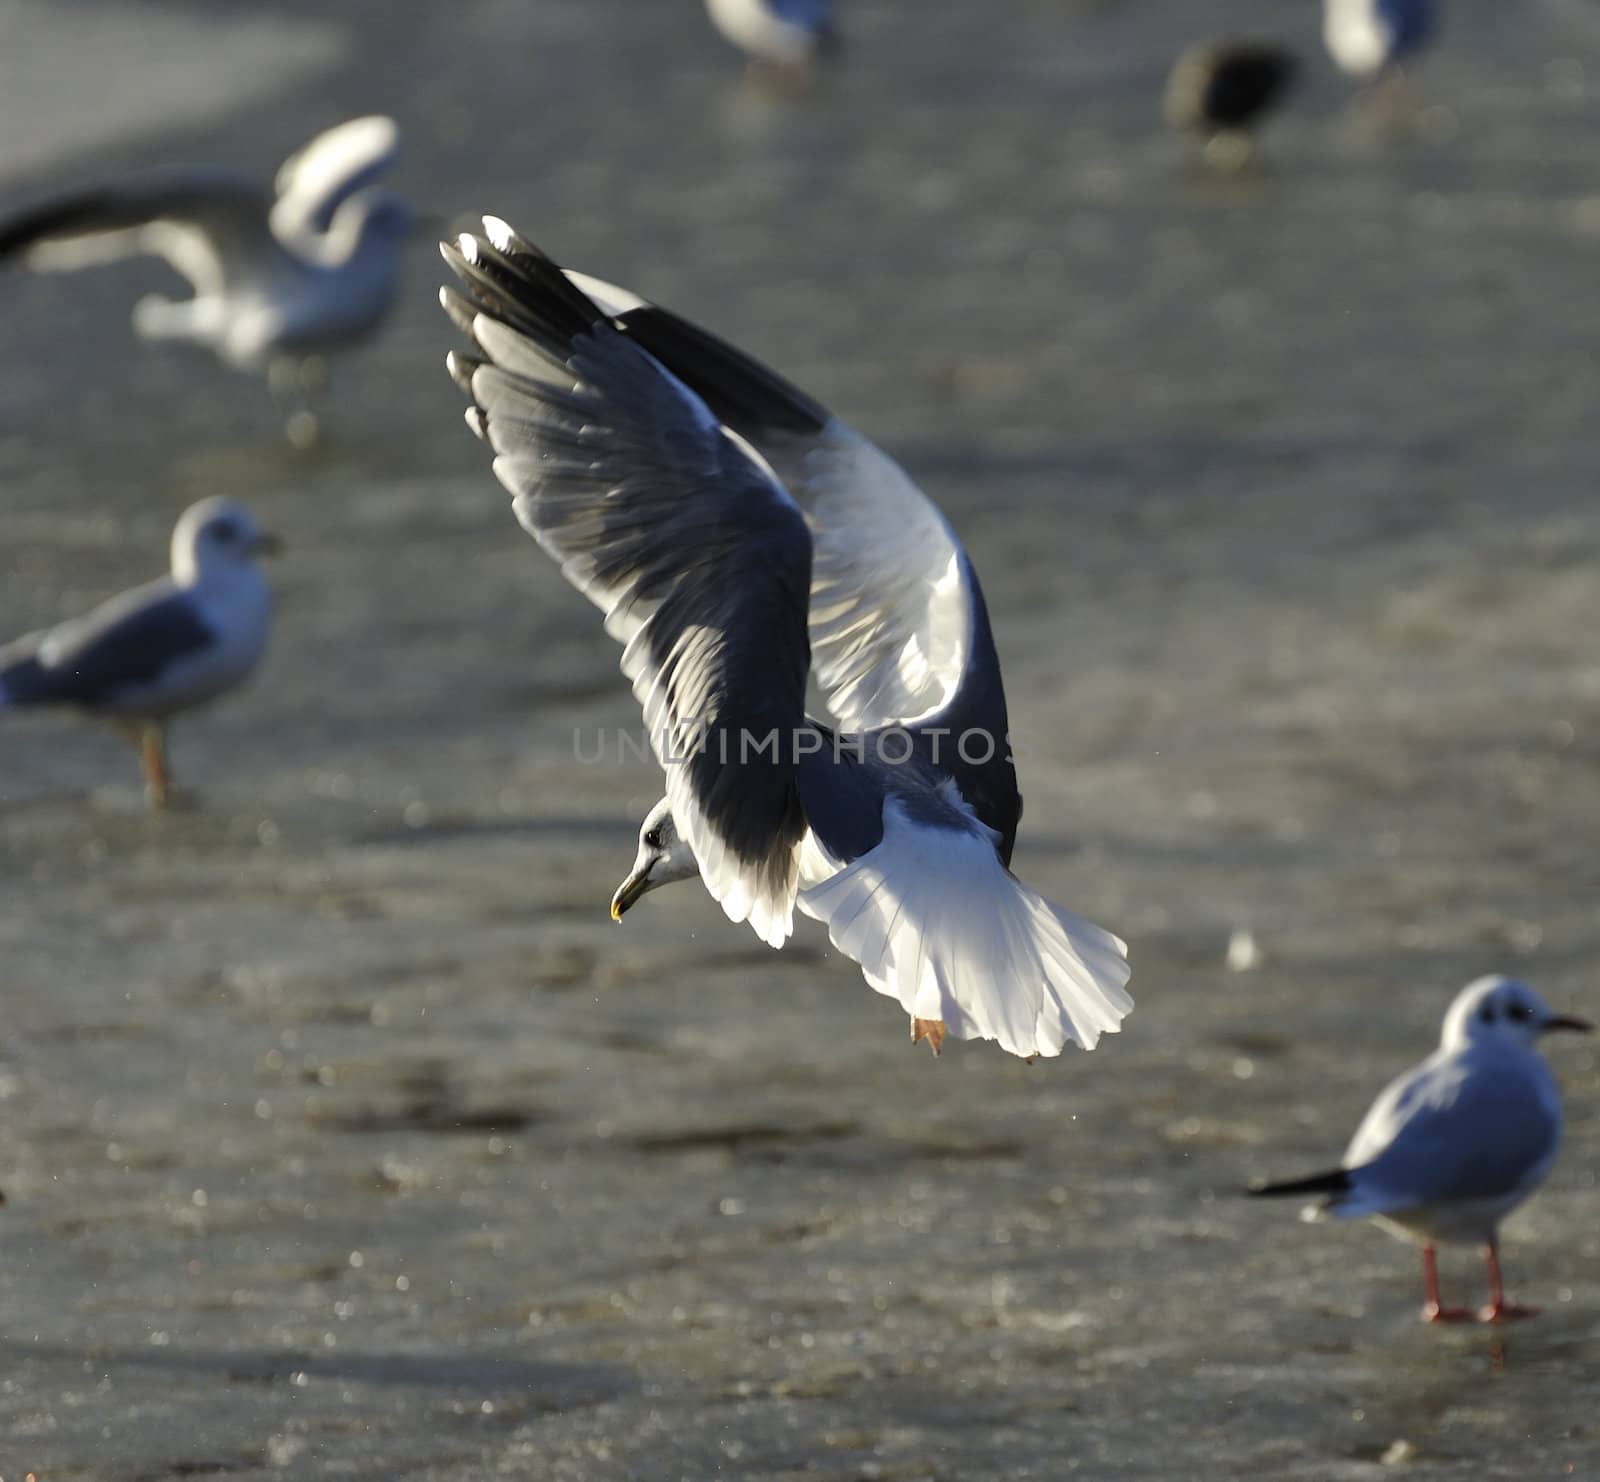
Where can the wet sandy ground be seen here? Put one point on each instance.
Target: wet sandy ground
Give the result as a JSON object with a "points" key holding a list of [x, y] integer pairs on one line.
{"points": [[345, 1137]]}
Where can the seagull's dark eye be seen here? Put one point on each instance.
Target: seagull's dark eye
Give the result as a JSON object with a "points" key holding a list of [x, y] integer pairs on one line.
{"points": [[224, 531], [1486, 1013], [653, 838], [1520, 1012]]}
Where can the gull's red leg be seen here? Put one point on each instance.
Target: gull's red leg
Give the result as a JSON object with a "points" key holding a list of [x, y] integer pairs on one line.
{"points": [[153, 762], [1500, 1310], [1432, 1310]]}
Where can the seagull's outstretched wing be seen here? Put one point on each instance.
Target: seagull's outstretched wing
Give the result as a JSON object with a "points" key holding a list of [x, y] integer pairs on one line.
{"points": [[699, 559], [118, 651], [314, 182], [891, 605], [899, 631], [198, 218], [1453, 1130]]}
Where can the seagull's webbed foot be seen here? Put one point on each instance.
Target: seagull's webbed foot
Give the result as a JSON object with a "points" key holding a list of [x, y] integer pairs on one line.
{"points": [[932, 1030], [1499, 1309], [1433, 1312], [1500, 1312]]}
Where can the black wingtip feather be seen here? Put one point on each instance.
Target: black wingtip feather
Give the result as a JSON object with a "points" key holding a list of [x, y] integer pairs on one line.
{"points": [[459, 310], [42, 222], [1335, 1181], [742, 393], [523, 289]]}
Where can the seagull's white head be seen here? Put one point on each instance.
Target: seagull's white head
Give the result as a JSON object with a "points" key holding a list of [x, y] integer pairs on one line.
{"points": [[662, 858], [1502, 1011], [216, 537]]}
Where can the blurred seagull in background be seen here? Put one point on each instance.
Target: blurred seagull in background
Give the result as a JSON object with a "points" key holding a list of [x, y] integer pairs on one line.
{"points": [[278, 275], [1370, 39], [160, 649], [786, 36], [1222, 90], [739, 539], [1455, 1144]]}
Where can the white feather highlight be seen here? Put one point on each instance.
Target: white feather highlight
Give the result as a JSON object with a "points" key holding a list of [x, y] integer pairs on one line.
{"points": [[607, 297]]}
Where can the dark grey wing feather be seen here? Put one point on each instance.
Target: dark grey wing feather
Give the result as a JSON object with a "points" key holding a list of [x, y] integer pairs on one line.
{"points": [[121, 647], [900, 634], [682, 537], [742, 393]]}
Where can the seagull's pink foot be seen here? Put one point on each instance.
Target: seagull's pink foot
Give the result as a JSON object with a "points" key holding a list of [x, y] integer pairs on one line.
{"points": [[932, 1030], [1498, 1312], [1433, 1312]]}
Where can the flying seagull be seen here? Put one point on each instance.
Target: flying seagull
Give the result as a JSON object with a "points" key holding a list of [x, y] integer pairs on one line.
{"points": [[163, 648], [1369, 39], [740, 539], [1223, 90], [279, 275], [787, 36], [1459, 1141]]}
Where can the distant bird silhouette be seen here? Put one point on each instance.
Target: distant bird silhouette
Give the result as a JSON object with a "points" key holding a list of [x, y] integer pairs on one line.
{"points": [[1459, 1141], [278, 275], [160, 649], [785, 36], [1228, 87], [1370, 38]]}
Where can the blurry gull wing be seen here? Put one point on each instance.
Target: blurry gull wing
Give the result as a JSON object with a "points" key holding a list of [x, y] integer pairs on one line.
{"points": [[1453, 1131], [118, 654], [316, 180], [899, 630], [198, 218], [695, 553]]}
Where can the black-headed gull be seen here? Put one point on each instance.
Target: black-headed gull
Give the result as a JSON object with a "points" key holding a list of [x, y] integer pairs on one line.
{"points": [[279, 275], [160, 649], [740, 539], [1456, 1143]]}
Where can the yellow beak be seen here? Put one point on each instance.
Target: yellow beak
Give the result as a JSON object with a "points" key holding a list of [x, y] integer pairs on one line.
{"points": [[628, 892]]}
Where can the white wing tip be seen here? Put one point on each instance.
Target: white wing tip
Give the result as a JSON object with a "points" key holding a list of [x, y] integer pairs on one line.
{"points": [[499, 233]]}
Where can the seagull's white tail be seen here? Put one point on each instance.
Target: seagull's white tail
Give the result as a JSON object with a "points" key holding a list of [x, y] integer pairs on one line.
{"points": [[937, 922]]}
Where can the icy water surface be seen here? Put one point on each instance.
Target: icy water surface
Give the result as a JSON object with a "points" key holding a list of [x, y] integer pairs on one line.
{"points": [[344, 1136]]}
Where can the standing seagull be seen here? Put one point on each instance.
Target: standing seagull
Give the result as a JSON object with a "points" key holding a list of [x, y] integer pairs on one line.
{"points": [[717, 514], [1372, 38], [175, 643], [787, 36], [1459, 1141], [276, 277]]}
